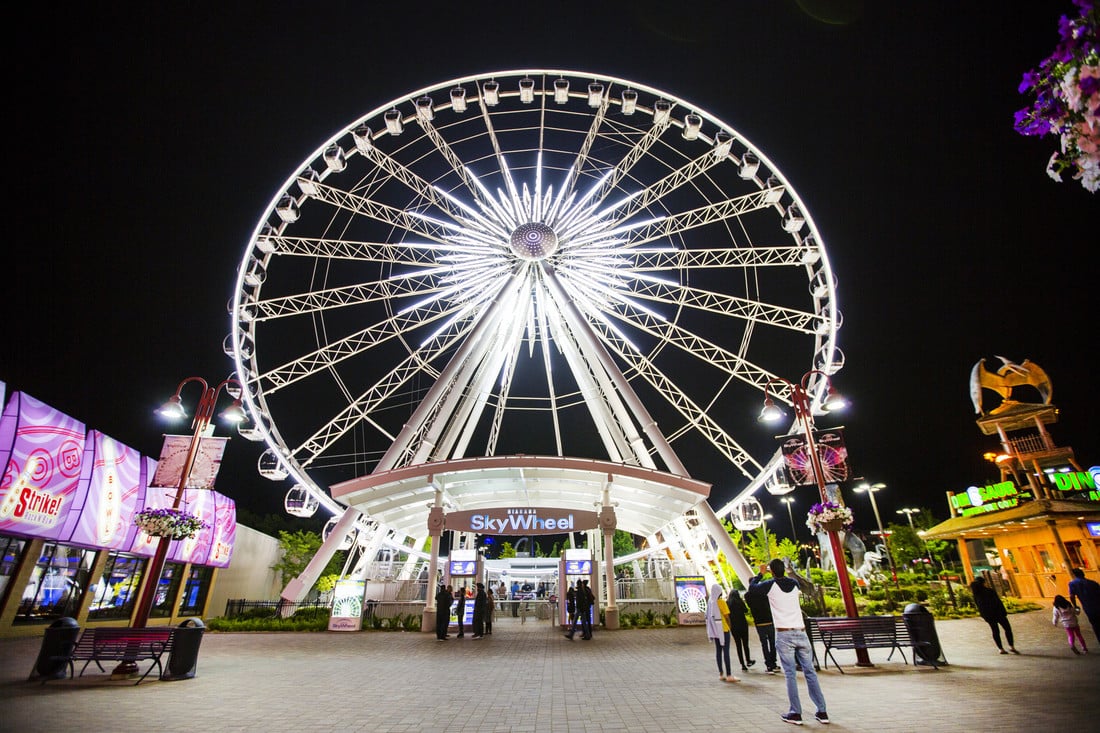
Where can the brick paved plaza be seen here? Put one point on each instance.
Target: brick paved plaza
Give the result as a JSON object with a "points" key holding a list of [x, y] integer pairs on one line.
{"points": [[527, 678]]}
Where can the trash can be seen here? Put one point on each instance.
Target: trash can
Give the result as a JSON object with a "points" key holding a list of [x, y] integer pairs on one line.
{"points": [[922, 633], [58, 641], [183, 660]]}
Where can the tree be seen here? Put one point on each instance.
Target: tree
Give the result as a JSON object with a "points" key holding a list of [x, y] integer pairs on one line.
{"points": [[507, 550], [298, 548], [623, 543]]}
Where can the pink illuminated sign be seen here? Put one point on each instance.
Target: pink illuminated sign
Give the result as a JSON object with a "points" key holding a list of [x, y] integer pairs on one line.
{"points": [[107, 497], [42, 474]]}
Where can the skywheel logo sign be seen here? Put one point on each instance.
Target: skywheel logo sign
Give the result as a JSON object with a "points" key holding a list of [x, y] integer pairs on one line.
{"points": [[522, 521]]}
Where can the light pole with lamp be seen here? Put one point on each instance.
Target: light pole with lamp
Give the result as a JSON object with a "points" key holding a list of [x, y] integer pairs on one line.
{"points": [[790, 515], [870, 490], [201, 428], [803, 408], [908, 512]]}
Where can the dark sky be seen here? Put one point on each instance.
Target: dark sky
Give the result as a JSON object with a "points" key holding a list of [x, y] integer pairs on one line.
{"points": [[148, 140]]}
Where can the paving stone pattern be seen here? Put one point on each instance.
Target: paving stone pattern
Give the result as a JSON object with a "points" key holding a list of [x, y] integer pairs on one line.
{"points": [[527, 678]]}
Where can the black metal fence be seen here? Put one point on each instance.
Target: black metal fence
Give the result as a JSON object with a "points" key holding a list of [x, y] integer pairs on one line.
{"points": [[243, 608]]}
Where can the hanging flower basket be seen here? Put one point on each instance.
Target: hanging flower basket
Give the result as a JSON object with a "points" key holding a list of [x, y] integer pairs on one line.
{"points": [[1066, 89], [174, 523], [829, 517]]}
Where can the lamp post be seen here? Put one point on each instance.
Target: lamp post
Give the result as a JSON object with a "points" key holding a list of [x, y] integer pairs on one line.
{"points": [[870, 490], [200, 428], [790, 514], [909, 515], [803, 408]]}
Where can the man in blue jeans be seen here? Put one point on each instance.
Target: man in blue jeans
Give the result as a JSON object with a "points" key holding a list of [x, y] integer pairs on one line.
{"points": [[791, 642]]}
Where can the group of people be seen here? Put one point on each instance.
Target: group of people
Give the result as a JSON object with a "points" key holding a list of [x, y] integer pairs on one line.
{"points": [[484, 607], [1084, 594], [777, 614], [579, 601]]}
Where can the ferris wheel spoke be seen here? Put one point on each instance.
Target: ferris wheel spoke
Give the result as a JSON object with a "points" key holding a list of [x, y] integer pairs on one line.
{"points": [[636, 153], [322, 300], [349, 346], [667, 226], [661, 291], [668, 258], [681, 402], [398, 253], [410, 221], [631, 205], [474, 187], [589, 139]]}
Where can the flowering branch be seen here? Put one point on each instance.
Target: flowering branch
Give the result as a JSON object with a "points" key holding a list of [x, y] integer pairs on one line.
{"points": [[1066, 88], [175, 523]]}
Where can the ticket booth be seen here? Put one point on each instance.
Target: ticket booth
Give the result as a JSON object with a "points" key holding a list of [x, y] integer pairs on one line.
{"points": [[464, 569], [575, 565]]}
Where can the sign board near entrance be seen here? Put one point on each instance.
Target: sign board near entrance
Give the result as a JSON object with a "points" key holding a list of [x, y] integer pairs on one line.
{"points": [[522, 521]]}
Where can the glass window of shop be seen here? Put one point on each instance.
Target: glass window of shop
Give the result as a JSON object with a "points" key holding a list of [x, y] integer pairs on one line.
{"points": [[195, 591], [166, 590], [56, 584], [116, 592], [11, 549]]}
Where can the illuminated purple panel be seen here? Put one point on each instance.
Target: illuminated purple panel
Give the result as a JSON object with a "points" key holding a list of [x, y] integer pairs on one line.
{"points": [[8, 421], [148, 467], [225, 531], [43, 471], [199, 502], [143, 544], [112, 474]]}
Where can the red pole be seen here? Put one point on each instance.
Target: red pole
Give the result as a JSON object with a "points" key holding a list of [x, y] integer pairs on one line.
{"points": [[802, 407]]}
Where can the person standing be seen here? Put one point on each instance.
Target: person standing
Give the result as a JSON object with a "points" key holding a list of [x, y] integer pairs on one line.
{"points": [[585, 601], [739, 629], [791, 641], [490, 608], [1065, 613], [993, 612], [443, 600], [718, 630], [481, 602], [460, 609], [571, 610], [1085, 593], [762, 620]]}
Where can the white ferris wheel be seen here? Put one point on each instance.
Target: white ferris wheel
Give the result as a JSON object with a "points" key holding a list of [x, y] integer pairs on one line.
{"points": [[527, 262]]}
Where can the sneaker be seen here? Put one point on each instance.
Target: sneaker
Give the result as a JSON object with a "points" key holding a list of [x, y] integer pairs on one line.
{"points": [[731, 678], [1013, 650], [822, 718], [1075, 651], [751, 662], [1002, 652], [792, 718], [744, 668], [773, 670]]}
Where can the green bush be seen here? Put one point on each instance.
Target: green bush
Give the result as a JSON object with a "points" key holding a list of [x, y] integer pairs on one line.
{"points": [[258, 612], [312, 614]]}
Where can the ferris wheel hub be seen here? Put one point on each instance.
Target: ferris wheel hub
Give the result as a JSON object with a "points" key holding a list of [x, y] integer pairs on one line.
{"points": [[534, 241]]}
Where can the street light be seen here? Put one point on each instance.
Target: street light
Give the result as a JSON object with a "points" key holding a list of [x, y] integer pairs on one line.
{"points": [[803, 408], [789, 501], [870, 490], [909, 515], [200, 426]]}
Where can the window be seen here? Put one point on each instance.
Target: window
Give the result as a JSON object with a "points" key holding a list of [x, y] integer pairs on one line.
{"points": [[56, 585], [1077, 559], [195, 590], [117, 590], [166, 590], [11, 549]]}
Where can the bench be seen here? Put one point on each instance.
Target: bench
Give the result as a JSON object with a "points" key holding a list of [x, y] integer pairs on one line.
{"points": [[120, 644], [864, 632]]}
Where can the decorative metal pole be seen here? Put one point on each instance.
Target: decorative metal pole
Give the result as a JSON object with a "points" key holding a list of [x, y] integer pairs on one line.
{"points": [[803, 407]]}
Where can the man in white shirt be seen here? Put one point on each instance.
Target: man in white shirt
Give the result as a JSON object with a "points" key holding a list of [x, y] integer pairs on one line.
{"points": [[791, 642]]}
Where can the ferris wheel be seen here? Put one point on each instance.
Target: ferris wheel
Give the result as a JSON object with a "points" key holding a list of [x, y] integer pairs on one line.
{"points": [[532, 254]]}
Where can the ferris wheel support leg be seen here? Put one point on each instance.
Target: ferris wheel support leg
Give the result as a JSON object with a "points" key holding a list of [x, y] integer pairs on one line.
{"points": [[725, 543], [297, 588]]}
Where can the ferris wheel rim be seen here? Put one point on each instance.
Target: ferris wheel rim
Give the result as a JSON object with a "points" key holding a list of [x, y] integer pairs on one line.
{"points": [[825, 343]]}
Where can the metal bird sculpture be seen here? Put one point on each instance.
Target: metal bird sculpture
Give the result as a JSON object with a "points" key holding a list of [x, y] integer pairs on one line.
{"points": [[1005, 380]]}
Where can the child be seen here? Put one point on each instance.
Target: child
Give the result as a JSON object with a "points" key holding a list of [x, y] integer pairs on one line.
{"points": [[1066, 614]]}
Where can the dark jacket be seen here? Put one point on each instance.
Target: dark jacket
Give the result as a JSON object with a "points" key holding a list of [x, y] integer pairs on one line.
{"points": [[756, 598], [443, 601], [988, 603], [738, 623]]}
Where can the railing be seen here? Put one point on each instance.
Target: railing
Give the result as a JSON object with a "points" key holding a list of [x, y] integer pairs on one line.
{"points": [[237, 607]]}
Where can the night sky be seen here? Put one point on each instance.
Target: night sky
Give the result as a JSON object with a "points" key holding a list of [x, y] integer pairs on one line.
{"points": [[148, 142]]}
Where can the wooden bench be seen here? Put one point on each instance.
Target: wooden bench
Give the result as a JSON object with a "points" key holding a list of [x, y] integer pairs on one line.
{"points": [[120, 644], [864, 632]]}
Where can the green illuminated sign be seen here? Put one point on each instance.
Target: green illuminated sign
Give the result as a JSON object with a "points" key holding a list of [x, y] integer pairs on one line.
{"points": [[992, 498]]}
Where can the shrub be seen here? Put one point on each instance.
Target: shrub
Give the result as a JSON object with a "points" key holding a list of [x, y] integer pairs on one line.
{"points": [[312, 613]]}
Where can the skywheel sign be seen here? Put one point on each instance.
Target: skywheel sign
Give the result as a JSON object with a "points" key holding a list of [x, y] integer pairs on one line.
{"points": [[522, 521]]}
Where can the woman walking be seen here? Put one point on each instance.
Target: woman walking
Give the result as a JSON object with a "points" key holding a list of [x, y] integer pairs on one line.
{"points": [[739, 629], [993, 612], [718, 629]]}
